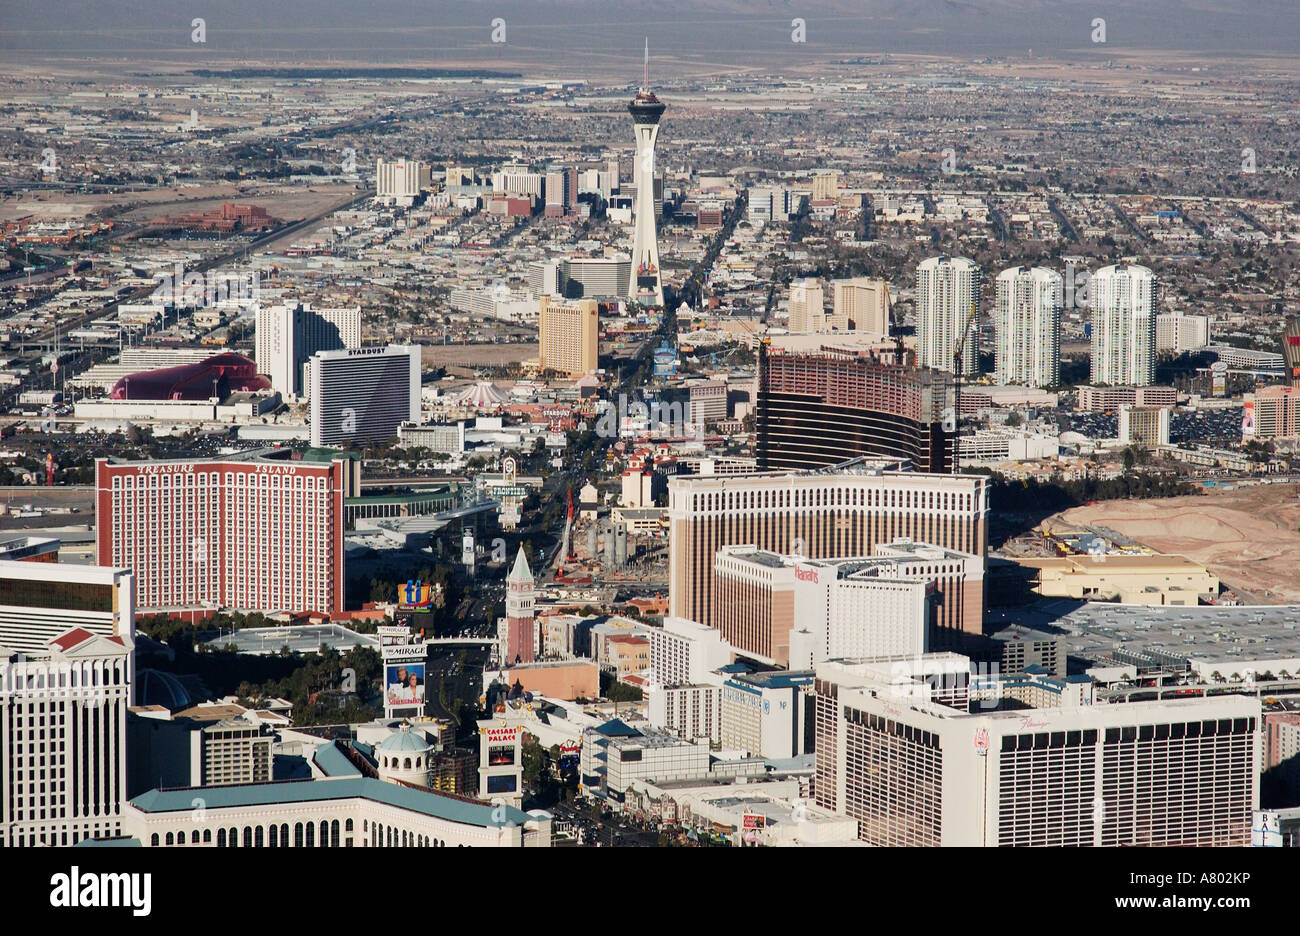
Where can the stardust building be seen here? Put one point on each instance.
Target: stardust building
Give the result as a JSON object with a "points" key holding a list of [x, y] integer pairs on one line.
{"points": [[256, 532], [820, 409], [362, 395], [825, 514], [914, 771]]}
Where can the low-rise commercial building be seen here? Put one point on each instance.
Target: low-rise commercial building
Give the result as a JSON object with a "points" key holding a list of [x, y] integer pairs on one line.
{"points": [[1110, 399], [768, 714], [336, 812], [1145, 579], [1144, 425]]}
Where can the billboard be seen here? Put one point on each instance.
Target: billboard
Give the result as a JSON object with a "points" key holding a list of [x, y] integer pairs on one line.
{"points": [[1248, 420], [1218, 378], [414, 596], [415, 652], [665, 360], [403, 684], [503, 783], [501, 756]]}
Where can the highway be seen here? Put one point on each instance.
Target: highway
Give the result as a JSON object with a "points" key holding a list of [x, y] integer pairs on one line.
{"points": [[46, 338]]}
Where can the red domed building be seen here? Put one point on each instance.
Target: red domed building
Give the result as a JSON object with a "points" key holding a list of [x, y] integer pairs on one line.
{"points": [[219, 376]]}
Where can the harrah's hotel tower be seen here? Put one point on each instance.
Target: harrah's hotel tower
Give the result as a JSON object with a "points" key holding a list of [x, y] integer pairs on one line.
{"points": [[254, 532]]}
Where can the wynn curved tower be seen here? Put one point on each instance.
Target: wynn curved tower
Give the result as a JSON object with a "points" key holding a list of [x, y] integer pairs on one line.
{"points": [[646, 286]]}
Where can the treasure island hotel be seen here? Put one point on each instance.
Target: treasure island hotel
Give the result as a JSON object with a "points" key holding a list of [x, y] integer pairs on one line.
{"points": [[258, 531]]}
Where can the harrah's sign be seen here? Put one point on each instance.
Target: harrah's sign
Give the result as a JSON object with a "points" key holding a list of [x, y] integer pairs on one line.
{"points": [[806, 575]]}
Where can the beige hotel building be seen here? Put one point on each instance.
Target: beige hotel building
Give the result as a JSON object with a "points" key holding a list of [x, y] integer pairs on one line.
{"points": [[568, 336], [823, 514]]}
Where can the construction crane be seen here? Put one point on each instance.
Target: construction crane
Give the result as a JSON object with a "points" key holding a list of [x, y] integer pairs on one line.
{"points": [[956, 380], [898, 339], [565, 553]]}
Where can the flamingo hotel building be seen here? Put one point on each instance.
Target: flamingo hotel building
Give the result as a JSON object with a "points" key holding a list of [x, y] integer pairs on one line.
{"points": [[914, 770], [261, 531]]}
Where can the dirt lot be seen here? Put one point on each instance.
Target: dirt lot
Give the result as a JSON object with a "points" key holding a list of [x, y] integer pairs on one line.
{"points": [[462, 359], [282, 201], [1248, 537]]}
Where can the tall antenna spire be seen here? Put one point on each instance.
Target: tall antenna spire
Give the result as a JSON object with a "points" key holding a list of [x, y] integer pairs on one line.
{"points": [[645, 80]]}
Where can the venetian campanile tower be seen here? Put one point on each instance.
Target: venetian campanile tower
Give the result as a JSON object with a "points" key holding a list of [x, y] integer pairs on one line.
{"points": [[520, 643]]}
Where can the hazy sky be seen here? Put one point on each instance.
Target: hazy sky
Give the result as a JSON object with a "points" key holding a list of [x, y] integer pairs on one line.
{"points": [[603, 31]]}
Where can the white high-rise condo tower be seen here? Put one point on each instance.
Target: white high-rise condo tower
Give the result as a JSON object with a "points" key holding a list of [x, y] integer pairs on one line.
{"points": [[645, 286], [947, 314], [1123, 302], [1027, 321]]}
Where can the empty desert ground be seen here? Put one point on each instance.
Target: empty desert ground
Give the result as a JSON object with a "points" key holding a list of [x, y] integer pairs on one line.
{"points": [[1249, 537]]}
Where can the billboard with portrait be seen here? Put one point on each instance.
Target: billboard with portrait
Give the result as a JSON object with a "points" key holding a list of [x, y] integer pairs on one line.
{"points": [[403, 684]]}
